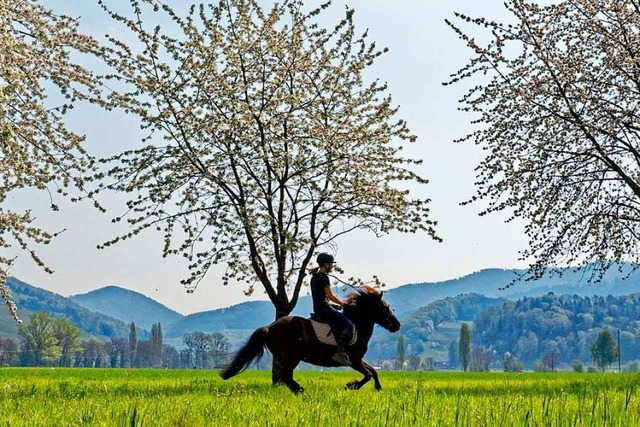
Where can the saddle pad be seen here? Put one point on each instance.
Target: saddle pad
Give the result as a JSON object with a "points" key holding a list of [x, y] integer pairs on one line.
{"points": [[325, 334]]}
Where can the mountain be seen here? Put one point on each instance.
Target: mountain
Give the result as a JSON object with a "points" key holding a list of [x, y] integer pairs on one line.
{"points": [[128, 306], [490, 282], [31, 299], [238, 321], [246, 316]]}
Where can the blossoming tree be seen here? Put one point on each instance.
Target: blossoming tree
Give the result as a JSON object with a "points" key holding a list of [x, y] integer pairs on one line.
{"points": [[555, 95], [265, 140], [39, 82]]}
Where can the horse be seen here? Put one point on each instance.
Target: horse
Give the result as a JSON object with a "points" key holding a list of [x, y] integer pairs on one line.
{"points": [[291, 339]]}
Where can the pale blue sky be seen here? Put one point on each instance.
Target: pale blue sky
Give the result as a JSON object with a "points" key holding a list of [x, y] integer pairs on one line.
{"points": [[423, 52]]}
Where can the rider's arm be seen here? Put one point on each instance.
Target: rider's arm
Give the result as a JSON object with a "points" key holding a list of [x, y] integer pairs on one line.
{"points": [[332, 297]]}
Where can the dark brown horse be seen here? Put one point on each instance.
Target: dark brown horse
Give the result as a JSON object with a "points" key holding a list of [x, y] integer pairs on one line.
{"points": [[291, 339]]}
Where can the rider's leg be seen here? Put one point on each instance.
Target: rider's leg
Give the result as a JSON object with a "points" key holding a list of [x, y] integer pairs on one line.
{"points": [[343, 339], [343, 330]]}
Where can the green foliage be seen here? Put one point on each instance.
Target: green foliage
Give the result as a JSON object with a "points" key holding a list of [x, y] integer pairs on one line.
{"points": [[400, 352], [39, 344], [511, 364], [414, 363], [604, 350], [464, 347], [156, 346], [453, 355], [8, 352], [133, 343], [196, 397], [68, 338]]}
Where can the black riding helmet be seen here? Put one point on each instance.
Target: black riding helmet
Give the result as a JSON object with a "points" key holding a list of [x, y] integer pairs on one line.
{"points": [[325, 258]]}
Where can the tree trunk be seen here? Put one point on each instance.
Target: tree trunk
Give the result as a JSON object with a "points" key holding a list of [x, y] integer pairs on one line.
{"points": [[281, 313], [282, 306]]}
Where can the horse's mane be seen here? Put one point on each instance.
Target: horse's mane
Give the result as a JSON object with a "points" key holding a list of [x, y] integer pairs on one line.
{"points": [[364, 290]]}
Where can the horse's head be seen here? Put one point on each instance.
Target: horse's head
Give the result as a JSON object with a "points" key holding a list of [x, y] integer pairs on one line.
{"points": [[369, 301]]}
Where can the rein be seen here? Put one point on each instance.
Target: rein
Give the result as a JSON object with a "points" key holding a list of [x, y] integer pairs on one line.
{"points": [[343, 282]]}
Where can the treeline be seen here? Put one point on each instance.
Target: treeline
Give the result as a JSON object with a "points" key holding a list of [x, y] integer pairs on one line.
{"points": [[47, 341], [564, 327]]}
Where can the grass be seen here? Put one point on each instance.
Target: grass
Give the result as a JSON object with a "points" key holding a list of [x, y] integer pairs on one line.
{"points": [[123, 397]]}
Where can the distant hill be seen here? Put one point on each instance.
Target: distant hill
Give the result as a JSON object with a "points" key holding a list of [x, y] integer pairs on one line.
{"points": [[489, 282], [406, 299], [31, 299], [127, 306], [245, 316], [238, 321]]}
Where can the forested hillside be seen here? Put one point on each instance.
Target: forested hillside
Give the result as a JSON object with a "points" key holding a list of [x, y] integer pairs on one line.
{"points": [[31, 299], [419, 327], [532, 327]]}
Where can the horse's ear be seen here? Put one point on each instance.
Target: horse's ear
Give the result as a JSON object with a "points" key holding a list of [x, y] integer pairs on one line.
{"points": [[380, 294]]}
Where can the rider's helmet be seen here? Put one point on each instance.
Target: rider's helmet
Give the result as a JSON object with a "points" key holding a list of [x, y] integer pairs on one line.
{"points": [[325, 258]]}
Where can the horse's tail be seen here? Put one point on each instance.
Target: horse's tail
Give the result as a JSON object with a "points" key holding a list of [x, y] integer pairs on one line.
{"points": [[253, 349]]}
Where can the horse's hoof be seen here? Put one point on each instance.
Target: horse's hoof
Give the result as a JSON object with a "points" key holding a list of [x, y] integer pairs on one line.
{"points": [[298, 391], [378, 387], [353, 385]]}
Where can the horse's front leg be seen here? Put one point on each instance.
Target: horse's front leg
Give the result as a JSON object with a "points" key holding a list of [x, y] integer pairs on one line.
{"points": [[374, 374], [364, 369]]}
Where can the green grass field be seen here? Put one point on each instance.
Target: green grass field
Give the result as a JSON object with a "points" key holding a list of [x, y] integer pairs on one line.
{"points": [[113, 397]]}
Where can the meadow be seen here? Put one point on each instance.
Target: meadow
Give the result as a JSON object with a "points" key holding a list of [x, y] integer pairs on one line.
{"points": [[135, 397]]}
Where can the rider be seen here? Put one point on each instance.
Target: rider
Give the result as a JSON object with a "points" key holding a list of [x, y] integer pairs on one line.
{"points": [[321, 294]]}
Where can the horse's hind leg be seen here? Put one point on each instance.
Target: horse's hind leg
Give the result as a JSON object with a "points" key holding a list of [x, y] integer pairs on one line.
{"points": [[293, 385], [276, 372], [282, 373], [289, 381]]}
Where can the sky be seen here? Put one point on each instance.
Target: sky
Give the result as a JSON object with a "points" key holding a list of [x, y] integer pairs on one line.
{"points": [[423, 52]]}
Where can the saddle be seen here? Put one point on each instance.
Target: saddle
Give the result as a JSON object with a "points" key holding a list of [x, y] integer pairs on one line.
{"points": [[325, 333]]}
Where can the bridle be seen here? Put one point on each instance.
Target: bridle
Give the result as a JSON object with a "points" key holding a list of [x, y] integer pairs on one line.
{"points": [[389, 317], [388, 320]]}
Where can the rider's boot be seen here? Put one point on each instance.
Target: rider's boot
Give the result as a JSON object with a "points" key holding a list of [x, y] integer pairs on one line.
{"points": [[341, 355]]}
